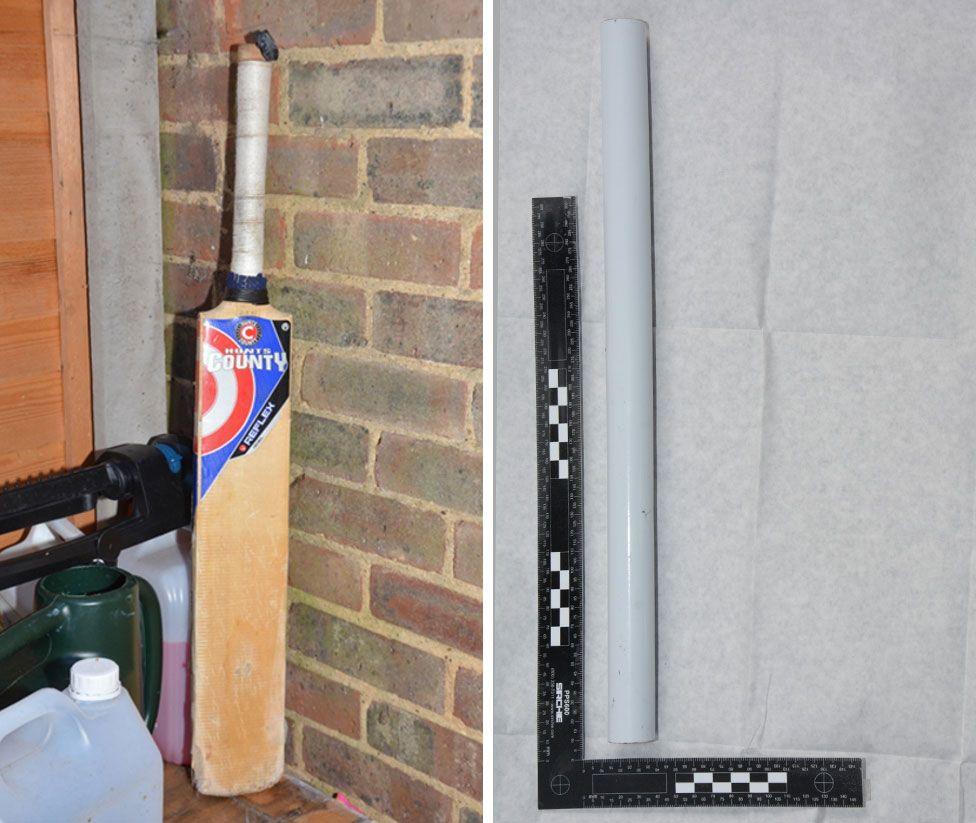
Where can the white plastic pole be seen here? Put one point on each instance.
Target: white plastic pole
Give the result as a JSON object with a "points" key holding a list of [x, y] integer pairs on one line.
{"points": [[251, 145], [630, 389]]}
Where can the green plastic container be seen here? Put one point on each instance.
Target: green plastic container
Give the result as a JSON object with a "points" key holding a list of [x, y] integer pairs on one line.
{"points": [[86, 611]]}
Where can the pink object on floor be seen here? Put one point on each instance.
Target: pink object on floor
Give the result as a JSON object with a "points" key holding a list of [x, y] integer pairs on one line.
{"points": [[345, 802]]}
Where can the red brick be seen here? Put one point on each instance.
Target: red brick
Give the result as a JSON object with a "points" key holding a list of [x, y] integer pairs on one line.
{"points": [[468, 697], [377, 784], [467, 552], [426, 609], [324, 573], [443, 172], [191, 230], [387, 664], [443, 475], [388, 394], [187, 162], [274, 239], [186, 26], [405, 20], [396, 92], [429, 328], [369, 523], [477, 259], [193, 93], [447, 756], [389, 248], [302, 22], [312, 166], [186, 288], [326, 702], [339, 449], [322, 311]]}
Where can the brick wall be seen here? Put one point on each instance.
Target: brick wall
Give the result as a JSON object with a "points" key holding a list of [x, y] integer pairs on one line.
{"points": [[374, 244]]}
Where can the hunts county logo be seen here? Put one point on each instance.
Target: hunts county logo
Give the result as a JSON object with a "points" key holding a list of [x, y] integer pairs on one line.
{"points": [[248, 332]]}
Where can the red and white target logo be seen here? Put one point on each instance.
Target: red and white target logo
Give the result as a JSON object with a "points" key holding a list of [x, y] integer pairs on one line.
{"points": [[228, 392], [248, 332]]}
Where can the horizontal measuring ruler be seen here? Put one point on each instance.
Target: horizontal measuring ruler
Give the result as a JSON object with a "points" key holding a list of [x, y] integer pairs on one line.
{"points": [[566, 779]]}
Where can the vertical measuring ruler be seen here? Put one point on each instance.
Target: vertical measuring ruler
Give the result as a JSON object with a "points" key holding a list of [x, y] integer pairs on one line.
{"points": [[566, 779]]}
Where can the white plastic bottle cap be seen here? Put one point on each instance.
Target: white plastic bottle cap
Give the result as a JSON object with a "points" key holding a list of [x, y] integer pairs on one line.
{"points": [[95, 678]]}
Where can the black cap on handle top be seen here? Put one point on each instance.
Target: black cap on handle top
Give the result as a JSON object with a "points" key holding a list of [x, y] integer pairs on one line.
{"points": [[265, 43]]}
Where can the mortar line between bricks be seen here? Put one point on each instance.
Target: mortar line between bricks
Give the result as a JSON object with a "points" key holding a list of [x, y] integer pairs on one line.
{"points": [[305, 204], [449, 547], [450, 682], [471, 436], [369, 621], [406, 768], [374, 444], [442, 578], [301, 204], [363, 354], [376, 49], [298, 739], [467, 92], [467, 244], [417, 503], [370, 285], [371, 424], [456, 130], [374, 694], [379, 29]]}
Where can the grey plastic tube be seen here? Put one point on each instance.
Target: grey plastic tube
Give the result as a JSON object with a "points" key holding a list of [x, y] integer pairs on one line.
{"points": [[630, 388]]}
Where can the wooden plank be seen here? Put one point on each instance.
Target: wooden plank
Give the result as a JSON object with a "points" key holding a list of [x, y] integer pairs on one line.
{"points": [[33, 294], [32, 424], [69, 218], [31, 347], [20, 255], [23, 83], [22, 23], [26, 182]]}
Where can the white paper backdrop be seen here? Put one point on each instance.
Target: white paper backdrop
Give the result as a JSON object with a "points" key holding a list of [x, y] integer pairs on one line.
{"points": [[815, 242]]}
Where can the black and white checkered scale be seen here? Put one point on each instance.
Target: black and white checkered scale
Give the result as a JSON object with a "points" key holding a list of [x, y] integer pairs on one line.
{"points": [[558, 470]]}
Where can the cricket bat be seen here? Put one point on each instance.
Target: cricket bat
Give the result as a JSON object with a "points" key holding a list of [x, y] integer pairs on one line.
{"points": [[240, 527]]}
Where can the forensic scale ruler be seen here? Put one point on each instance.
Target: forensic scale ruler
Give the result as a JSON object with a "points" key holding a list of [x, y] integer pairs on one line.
{"points": [[566, 779]]}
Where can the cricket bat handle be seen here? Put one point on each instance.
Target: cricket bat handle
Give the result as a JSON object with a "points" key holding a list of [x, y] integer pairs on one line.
{"points": [[251, 141]]}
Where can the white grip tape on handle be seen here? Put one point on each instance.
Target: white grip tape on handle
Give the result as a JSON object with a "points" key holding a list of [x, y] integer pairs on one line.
{"points": [[253, 94]]}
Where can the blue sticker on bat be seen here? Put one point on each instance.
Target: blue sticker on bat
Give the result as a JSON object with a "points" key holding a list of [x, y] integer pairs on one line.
{"points": [[244, 382]]}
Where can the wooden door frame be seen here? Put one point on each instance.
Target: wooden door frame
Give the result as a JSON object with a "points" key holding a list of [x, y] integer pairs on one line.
{"points": [[60, 45]]}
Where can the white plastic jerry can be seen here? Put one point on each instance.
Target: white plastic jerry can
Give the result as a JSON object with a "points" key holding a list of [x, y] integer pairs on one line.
{"points": [[164, 562], [83, 754]]}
